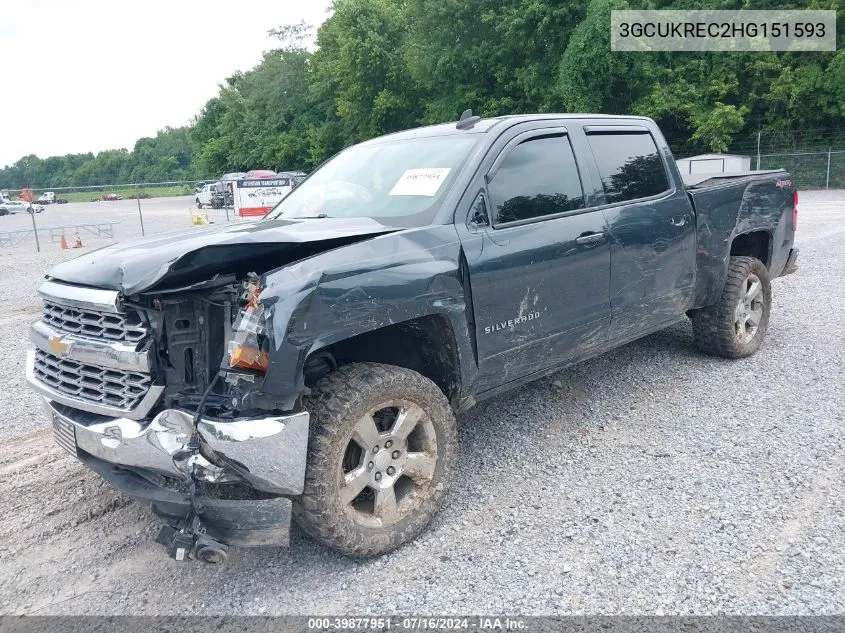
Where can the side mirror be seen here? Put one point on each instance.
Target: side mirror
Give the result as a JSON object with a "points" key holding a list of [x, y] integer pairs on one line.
{"points": [[478, 216]]}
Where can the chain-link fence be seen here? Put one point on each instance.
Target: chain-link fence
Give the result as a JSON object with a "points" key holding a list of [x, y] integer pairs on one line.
{"points": [[109, 213], [814, 157], [95, 193], [99, 214], [809, 170]]}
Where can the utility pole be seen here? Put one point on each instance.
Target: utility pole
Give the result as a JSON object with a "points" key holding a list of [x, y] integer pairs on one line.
{"points": [[140, 215], [827, 179], [34, 228], [31, 210]]}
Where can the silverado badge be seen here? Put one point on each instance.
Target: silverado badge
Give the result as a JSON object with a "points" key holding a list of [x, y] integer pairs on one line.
{"points": [[510, 323]]}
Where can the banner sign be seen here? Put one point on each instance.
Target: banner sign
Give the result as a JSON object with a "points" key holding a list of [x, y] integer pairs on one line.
{"points": [[255, 197]]}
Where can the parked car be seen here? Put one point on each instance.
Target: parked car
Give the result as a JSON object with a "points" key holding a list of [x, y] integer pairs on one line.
{"points": [[111, 197], [19, 206], [310, 364]]}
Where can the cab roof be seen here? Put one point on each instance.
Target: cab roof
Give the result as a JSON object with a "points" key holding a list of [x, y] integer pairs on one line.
{"points": [[494, 123]]}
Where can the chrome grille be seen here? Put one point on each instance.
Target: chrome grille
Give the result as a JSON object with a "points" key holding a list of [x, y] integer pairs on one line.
{"points": [[109, 387], [126, 328]]}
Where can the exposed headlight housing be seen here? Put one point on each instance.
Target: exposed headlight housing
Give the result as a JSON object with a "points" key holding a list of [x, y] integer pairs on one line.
{"points": [[248, 346]]}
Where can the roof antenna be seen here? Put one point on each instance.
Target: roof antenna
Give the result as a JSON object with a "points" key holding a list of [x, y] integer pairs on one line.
{"points": [[467, 121]]}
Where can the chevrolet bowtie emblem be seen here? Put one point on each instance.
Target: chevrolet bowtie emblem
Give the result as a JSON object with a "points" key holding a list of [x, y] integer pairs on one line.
{"points": [[58, 345]]}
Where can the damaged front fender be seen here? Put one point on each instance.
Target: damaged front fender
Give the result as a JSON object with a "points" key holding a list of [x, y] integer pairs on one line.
{"points": [[373, 284]]}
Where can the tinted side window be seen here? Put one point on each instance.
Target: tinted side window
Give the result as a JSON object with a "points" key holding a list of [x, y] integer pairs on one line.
{"points": [[538, 177], [629, 165]]}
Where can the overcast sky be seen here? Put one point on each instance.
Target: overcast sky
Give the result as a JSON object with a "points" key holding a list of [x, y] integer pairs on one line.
{"points": [[89, 75]]}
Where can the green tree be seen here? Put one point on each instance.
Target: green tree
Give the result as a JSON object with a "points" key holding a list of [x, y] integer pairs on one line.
{"points": [[260, 118], [360, 78], [592, 78], [386, 65]]}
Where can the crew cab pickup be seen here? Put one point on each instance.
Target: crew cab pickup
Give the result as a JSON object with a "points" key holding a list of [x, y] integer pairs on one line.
{"points": [[311, 364]]}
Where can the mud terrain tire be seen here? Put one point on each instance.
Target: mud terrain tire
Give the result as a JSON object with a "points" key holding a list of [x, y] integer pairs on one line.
{"points": [[736, 325], [381, 455]]}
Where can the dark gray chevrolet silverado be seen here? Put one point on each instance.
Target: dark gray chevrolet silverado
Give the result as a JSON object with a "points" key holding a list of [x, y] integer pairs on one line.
{"points": [[310, 365]]}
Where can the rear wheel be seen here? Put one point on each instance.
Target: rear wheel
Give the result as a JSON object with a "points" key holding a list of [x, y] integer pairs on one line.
{"points": [[382, 450], [199, 204], [736, 326]]}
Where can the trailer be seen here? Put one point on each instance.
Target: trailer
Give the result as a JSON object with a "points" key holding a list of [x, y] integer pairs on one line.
{"points": [[256, 196]]}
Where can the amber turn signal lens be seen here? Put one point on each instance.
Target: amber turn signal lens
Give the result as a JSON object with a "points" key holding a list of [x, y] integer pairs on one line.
{"points": [[249, 358]]}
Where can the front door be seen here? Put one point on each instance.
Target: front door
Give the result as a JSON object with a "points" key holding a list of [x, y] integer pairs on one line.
{"points": [[540, 271]]}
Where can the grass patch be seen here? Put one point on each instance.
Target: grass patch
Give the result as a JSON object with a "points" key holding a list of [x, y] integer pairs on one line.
{"points": [[153, 192]]}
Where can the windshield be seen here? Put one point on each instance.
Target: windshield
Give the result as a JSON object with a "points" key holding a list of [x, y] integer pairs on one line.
{"points": [[399, 182]]}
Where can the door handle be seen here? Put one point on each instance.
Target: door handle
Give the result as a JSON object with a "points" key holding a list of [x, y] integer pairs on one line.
{"points": [[590, 238], [679, 220]]}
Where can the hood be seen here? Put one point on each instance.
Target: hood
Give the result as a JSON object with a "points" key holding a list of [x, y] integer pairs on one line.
{"points": [[194, 255]]}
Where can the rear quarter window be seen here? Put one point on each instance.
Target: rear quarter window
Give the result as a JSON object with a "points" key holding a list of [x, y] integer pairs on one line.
{"points": [[629, 165]]}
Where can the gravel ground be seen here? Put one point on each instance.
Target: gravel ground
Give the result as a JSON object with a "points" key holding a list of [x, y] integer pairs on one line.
{"points": [[651, 480]]}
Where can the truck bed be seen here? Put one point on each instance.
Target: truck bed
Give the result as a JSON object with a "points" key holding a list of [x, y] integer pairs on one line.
{"points": [[727, 205], [703, 181]]}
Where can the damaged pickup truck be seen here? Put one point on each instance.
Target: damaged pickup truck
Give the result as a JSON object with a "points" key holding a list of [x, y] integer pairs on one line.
{"points": [[310, 365]]}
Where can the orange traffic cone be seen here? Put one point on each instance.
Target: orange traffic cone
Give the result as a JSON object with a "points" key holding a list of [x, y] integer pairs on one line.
{"points": [[77, 243], [64, 243]]}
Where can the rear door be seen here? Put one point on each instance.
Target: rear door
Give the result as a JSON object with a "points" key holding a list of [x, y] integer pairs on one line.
{"points": [[540, 269], [651, 227]]}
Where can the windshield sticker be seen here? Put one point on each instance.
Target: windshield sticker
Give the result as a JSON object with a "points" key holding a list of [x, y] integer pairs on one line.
{"points": [[420, 182]]}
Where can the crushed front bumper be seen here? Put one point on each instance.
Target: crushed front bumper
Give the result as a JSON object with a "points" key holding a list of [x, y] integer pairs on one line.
{"points": [[236, 522], [267, 453], [145, 458]]}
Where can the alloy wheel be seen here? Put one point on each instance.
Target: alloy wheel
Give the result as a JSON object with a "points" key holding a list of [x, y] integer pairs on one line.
{"points": [[749, 309], [388, 464]]}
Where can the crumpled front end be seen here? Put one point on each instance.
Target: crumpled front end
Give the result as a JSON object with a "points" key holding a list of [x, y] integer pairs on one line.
{"points": [[136, 390]]}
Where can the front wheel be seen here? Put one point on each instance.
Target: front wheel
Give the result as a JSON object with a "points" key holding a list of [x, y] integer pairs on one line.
{"points": [[736, 326], [381, 455]]}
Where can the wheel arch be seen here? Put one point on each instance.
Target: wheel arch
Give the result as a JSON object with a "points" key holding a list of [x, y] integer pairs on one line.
{"points": [[753, 244], [425, 344]]}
